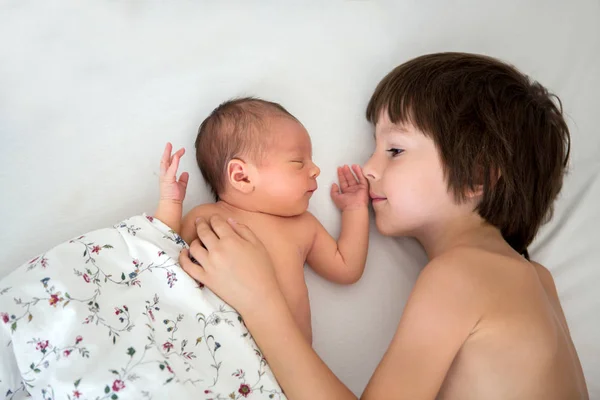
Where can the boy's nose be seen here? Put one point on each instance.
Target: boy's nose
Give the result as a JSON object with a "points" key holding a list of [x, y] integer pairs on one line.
{"points": [[370, 170]]}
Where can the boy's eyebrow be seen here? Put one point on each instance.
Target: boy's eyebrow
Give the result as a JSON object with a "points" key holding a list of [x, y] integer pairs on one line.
{"points": [[393, 129]]}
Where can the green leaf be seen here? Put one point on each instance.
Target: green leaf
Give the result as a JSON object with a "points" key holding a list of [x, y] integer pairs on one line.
{"points": [[37, 370], [32, 366], [106, 389], [131, 351], [77, 382], [169, 380], [161, 366], [114, 372], [122, 276], [114, 396], [13, 327], [85, 253]]}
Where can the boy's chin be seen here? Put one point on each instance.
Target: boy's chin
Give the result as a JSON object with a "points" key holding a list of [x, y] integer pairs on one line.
{"points": [[386, 228]]}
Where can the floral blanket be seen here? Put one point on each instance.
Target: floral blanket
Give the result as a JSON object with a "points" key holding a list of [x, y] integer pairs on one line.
{"points": [[111, 315]]}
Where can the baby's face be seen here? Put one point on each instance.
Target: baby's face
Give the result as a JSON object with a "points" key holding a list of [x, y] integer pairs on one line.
{"points": [[287, 176]]}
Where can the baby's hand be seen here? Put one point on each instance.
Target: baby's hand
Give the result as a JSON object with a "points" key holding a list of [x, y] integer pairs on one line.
{"points": [[171, 189], [353, 191]]}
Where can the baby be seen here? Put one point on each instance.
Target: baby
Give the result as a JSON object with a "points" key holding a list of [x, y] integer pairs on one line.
{"points": [[256, 158]]}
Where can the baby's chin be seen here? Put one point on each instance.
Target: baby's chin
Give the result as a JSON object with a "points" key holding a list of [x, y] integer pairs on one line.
{"points": [[286, 212]]}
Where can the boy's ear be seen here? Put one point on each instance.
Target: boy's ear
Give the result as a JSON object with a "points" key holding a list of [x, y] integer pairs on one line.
{"points": [[240, 175], [477, 190]]}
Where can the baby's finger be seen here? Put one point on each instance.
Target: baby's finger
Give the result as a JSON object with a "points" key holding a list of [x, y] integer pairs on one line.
{"points": [[172, 171], [342, 178], [335, 190], [183, 179], [359, 174], [179, 153], [164, 161], [349, 176]]}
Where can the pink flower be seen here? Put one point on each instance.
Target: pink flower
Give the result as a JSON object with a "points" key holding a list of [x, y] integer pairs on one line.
{"points": [[149, 218], [76, 394], [5, 318], [66, 353], [167, 346], [151, 315], [169, 368], [54, 299], [78, 339], [86, 278], [136, 261], [34, 260], [117, 311], [244, 390], [42, 345], [118, 385], [96, 249]]}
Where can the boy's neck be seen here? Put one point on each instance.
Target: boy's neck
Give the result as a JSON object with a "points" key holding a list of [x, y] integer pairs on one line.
{"points": [[470, 231]]}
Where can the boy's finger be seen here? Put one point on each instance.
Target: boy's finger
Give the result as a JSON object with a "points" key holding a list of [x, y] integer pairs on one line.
{"points": [[243, 231], [192, 269], [205, 233], [220, 226]]}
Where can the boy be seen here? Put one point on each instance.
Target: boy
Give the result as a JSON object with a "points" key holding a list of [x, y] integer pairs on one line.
{"points": [[470, 155], [257, 160]]}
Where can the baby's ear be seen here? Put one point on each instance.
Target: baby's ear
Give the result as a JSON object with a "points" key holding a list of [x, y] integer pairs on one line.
{"points": [[239, 175]]}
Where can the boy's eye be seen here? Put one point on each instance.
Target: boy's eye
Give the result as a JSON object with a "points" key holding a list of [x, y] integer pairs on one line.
{"points": [[300, 163], [395, 152]]}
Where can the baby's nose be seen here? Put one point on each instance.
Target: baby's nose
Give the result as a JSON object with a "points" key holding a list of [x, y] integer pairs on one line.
{"points": [[315, 171]]}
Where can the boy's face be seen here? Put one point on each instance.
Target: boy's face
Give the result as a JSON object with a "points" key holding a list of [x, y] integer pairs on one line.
{"points": [[406, 181], [287, 176]]}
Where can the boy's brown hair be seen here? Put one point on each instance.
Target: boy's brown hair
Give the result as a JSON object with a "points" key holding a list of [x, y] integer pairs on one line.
{"points": [[492, 126], [235, 129]]}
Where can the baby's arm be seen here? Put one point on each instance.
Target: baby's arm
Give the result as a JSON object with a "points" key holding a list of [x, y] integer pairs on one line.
{"points": [[344, 261], [172, 191]]}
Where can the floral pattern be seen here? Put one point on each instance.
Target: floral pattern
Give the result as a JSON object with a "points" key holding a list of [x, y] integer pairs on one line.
{"points": [[110, 315]]}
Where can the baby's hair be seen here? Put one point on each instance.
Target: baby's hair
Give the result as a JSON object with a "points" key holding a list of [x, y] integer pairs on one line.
{"points": [[235, 129], [492, 126]]}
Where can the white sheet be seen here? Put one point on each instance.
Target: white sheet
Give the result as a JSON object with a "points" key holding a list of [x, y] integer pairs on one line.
{"points": [[91, 91]]}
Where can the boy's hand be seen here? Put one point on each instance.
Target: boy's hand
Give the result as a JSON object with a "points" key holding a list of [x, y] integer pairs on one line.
{"points": [[353, 191], [171, 189]]}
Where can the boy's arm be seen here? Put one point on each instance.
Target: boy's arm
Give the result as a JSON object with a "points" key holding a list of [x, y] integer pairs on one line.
{"points": [[172, 191], [442, 311], [342, 261]]}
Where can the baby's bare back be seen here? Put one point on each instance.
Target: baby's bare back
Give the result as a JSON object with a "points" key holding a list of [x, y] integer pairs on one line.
{"points": [[287, 241], [521, 348]]}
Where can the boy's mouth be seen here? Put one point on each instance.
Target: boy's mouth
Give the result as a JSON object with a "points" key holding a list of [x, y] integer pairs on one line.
{"points": [[375, 198]]}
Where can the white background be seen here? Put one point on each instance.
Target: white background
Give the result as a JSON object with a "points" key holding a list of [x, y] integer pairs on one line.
{"points": [[91, 91]]}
